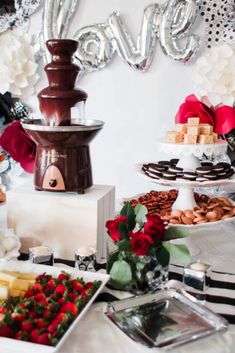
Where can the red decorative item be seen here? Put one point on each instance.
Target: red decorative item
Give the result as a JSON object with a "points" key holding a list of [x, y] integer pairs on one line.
{"points": [[222, 118], [15, 141]]}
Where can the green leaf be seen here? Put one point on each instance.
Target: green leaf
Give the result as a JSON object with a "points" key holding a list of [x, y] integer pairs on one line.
{"points": [[128, 211], [111, 259], [139, 266], [163, 256], [122, 228], [140, 214], [175, 233], [178, 252], [120, 274], [124, 245]]}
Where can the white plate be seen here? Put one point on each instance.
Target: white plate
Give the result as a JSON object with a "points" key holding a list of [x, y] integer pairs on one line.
{"points": [[24, 266]]}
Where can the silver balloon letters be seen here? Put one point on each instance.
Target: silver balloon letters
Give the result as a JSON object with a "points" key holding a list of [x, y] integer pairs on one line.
{"points": [[169, 23], [174, 25]]}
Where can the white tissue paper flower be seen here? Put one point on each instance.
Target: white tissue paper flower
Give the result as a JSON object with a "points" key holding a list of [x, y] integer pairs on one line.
{"points": [[18, 69], [215, 75]]}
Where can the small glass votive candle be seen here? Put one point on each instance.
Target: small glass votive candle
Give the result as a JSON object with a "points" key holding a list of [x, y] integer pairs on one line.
{"points": [[41, 255], [196, 276], [85, 258]]}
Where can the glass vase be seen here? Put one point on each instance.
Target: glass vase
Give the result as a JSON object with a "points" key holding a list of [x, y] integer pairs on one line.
{"points": [[148, 275]]}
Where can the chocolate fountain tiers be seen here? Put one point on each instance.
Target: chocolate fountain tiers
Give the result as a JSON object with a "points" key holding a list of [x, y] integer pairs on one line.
{"points": [[62, 158]]}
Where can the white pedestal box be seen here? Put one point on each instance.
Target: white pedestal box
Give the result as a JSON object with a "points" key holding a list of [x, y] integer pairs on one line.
{"points": [[63, 221]]}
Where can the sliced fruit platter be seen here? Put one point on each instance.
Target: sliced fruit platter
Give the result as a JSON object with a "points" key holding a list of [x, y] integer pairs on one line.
{"points": [[42, 306]]}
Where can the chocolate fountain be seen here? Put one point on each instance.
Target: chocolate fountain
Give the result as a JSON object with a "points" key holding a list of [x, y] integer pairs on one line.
{"points": [[63, 157]]}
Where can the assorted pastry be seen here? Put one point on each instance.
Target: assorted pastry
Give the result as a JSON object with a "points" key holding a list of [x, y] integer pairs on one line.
{"points": [[209, 209], [206, 172], [192, 133]]}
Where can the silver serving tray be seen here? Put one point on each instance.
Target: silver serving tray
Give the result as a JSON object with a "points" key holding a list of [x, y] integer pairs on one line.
{"points": [[166, 319]]}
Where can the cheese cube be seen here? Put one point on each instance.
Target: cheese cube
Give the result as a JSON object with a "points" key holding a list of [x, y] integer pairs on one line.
{"points": [[174, 137], [28, 276], [13, 292], [205, 139], [193, 121], [7, 277], [205, 129], [20, 284], [3, 292], [192, 130], [181, 128], [190, 139]]}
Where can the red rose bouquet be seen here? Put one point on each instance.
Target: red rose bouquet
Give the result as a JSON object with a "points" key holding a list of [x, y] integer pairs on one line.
{"points": [[140, 262]]}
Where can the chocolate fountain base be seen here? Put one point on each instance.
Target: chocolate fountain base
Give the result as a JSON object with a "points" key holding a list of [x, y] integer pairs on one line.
{"points": [[63, 161]]}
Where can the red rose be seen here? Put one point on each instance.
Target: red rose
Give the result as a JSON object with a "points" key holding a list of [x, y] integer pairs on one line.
{"points": [[192, 107], [112, 227], [18, 144], [154, 227], [140, 243]]}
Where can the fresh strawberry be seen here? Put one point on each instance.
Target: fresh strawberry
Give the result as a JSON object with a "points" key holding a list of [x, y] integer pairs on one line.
{"points": [[33, 314], [37, 287], [19, 316], [34, 334], [46, 314], [62, 300], [41, 323], [61, 317], [6, 331], [3, 310], [27, 325], [29, 293], [52, 328], [51, 283], [71, 296], [60, 289], [40, 297], [42, 339], [69, 307], [89, 285], [21, 335], [63, 276], [76, 285]]}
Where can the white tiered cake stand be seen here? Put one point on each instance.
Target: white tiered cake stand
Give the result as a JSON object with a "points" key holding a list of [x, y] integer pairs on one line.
{"points": [[189, 161]]}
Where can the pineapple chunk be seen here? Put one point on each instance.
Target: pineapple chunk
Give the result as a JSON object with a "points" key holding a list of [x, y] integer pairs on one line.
{"points": [[4, 292]]}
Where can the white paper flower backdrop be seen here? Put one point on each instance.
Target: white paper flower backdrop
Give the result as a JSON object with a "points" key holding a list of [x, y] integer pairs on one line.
{"points": [[215, 75], [17, 64]]}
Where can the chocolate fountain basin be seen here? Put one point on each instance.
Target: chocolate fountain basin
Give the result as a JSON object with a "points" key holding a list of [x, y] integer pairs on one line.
{"points": [[63, 157]]}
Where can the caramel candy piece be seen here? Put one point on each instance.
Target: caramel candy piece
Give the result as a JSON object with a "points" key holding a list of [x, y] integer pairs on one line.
{"points": [[205, 129], [192, 130], [215, 137], [2, 196], [174, 137], [181, 128], [193, 121], [205, 139], [190, 139]]}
